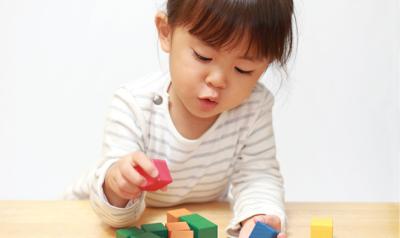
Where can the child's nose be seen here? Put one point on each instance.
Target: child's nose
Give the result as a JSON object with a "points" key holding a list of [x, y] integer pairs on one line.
{"points": [[216, 79]]}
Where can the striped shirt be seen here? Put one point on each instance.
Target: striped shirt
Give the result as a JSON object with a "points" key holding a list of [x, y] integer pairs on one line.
{"points": [[233, 160]]}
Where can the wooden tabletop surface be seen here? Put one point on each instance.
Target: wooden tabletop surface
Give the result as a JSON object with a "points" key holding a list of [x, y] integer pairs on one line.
{"points": [[76, 219]]}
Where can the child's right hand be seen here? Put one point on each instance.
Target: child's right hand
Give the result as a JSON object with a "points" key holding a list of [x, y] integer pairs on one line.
{"points": [[122, 181]]}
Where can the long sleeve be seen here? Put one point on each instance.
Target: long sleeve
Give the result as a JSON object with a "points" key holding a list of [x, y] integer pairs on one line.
{"points": [[257, 185], [122, 135]]}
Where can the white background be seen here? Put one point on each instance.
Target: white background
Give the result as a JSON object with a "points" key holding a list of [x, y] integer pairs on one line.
{"points": [[336, 115]]}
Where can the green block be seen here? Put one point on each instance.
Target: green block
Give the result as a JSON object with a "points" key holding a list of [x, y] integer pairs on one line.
{"points": [[146, 235], [202, 227], [156, 228], [128, 232]]}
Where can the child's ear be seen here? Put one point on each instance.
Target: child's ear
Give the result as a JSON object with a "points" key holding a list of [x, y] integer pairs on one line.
{"points": [[164, 31]]}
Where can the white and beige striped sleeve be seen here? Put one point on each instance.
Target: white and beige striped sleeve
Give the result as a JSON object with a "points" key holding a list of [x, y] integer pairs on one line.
{"points": [[122, 135], [257, 185]]}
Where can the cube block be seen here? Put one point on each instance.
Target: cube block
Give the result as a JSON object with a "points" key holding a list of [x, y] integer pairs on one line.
{"points": [[181, 223], [156, 228], [128, 232], [181, 234], [321, 228], [164, 177], [262, 230], [173, 215], [176, 226], [202, 227], [145, 235]]}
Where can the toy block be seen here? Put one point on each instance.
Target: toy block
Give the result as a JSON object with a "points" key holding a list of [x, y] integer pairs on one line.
{"points": [[176, 226], [202, 227], [128, 232], [145, 235], [156, 228], [181, 234], [262, 230], [173, 215], [321, 228], [164, 177]]}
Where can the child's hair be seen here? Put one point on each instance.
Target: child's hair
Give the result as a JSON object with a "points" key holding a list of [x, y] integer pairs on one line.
{"points": [[267, 24]]}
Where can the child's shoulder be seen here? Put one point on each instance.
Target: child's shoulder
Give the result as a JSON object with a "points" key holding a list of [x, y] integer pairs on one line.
{"points": [[141, 92], [143, 88]]}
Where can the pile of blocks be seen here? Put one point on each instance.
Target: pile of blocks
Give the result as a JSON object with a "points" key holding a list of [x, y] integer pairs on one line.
{"points": [[181, 223]]}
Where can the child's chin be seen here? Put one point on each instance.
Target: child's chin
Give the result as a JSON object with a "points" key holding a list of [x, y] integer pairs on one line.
{"points": [[206, 114]]}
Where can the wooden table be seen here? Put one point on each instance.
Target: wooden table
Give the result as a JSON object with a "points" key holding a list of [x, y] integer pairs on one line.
{"points": [[76, 219]]}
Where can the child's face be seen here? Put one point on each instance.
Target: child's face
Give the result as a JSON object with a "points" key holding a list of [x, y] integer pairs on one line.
{"points": [[207, 81]]}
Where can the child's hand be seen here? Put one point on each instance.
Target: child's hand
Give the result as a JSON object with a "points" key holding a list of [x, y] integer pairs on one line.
{"points": [[122, 181], [248, 225]]}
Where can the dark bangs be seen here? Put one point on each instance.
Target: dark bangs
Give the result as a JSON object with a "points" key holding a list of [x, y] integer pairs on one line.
{"points": [[265, 24]]}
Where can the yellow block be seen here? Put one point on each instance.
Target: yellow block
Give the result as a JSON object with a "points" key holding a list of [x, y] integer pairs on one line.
{"points": [[321, 228]]}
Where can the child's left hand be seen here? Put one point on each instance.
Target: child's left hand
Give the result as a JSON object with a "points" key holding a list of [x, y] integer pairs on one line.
{"points": [[248, 225]]}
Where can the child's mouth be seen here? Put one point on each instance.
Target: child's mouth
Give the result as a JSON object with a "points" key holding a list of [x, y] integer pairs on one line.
{"points": [[207, 104]]}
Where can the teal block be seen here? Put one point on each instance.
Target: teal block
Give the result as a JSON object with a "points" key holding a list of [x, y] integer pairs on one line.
{"points": [[202, 227], [128, 232], [156, 228]]}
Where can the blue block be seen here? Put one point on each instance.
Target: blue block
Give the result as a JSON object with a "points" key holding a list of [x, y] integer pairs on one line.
{"points": [[262, 230]]}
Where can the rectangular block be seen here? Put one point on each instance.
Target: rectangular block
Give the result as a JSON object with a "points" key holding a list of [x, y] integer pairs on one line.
{"points": [[176, 226], [173, 215], [262, 230], [202, 227], [181, 234], [156, 228], [127, 232], [321, 228]]}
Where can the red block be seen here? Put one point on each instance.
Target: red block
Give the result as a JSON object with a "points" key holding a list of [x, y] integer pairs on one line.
{"points": [[164, 177]]}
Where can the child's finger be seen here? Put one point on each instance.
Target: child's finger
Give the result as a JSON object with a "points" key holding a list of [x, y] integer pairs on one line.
{"points": [[281, 235], [132, 176], [128, 195], [125, 189], [273, 221], [145, 163]]}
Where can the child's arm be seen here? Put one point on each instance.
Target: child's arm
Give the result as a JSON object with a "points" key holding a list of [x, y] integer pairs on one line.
{"points": [[257, 185], [122, 137]]}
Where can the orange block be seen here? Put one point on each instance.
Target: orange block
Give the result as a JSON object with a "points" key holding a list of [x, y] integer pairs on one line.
{"points": [[176, 226], [181, 234], [173, 215]]}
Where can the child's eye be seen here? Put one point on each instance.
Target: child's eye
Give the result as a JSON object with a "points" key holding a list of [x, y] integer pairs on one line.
{"points": [[200, 57], [243, 71]]}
